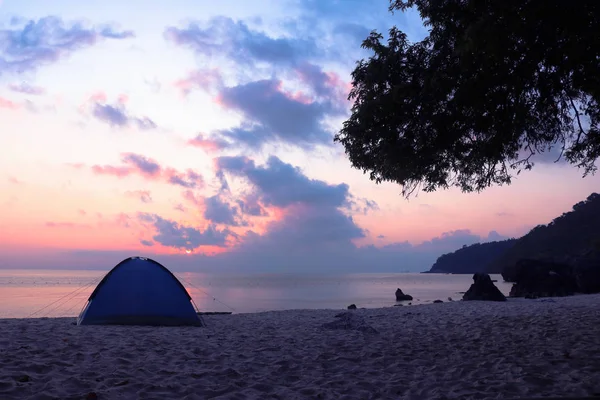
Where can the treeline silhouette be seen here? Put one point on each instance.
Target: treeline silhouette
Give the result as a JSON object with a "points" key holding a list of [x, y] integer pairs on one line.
{"points": [[473, 258], [564, 239]]}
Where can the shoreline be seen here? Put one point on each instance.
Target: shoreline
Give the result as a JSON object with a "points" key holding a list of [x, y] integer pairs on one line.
{"points": [[460, 349], [398, 304]]}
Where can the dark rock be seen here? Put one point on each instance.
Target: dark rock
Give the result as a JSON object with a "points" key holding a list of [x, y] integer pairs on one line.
{"points": [[586, 270], [352, 307], [401, 296], [450, 299], [438, 301], [483, 289], [539, 278], [350, 321]]}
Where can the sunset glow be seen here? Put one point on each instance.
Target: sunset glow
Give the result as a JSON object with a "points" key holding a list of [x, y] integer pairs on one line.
{"points": [[201, 133]]}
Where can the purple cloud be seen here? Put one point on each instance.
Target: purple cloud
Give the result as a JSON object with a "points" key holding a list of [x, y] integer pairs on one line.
{"points": [[46, 40], [314, 210], [150, 169], [171, 234], [280, 184], [273, 115], [26, 88], [222, 36], [116, 115], [219, 211]]}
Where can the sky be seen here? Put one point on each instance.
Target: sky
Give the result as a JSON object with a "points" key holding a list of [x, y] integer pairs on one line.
{"points": [[200, 134]]}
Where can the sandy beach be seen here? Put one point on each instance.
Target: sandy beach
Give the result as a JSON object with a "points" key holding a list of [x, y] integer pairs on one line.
{"points": [[467, 350]]}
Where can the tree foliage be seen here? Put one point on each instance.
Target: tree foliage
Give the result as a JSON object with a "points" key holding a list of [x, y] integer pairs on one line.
{"points": [[492, 84]]}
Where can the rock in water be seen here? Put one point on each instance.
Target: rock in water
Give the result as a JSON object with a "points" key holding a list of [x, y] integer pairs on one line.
{"points": [[352, 307], [401, 296], [483, 289]]}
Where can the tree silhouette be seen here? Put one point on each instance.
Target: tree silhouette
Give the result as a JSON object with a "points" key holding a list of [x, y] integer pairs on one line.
{"points": [[493, 83]]}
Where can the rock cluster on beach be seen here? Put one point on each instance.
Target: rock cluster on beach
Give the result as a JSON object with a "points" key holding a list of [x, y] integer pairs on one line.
{"points": [[539, 278], [483, 289]]}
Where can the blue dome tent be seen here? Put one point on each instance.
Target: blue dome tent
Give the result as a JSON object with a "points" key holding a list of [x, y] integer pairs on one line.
{"points": [[139, 291]]}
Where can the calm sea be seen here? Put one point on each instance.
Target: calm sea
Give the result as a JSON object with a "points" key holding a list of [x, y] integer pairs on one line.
{"points": [[57, 293]]}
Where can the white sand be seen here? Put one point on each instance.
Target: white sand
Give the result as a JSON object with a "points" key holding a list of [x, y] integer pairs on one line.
{"points": [[464, 350]]}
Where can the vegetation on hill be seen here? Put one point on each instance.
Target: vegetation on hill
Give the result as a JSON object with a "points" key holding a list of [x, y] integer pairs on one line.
{"points": [[563, 240], [492, 84], [472, 259]]}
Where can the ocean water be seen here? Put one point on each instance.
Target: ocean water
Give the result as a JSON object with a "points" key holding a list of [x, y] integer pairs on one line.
{"points": [[62, 293]]}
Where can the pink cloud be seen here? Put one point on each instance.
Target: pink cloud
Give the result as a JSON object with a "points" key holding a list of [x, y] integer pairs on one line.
{"points": [[188, 179], [208, 144], [149, 169], [189, 196], [70, 225], [205, 79], [14, 180], [8, 104], [111, 170], [99, 97]]}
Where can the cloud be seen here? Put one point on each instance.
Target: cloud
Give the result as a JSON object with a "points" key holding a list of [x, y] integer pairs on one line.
{"points": [[116, 114], [27, 88], [209, 144], [274, 115], [111, 170], [280, 184], [147, 243], [144, 165], [222, 36], [311, 227], [313, 211], [323, 84], [187, 179], [8, 104], [70, 225], [142, 195], [217, 210], [33, 43], [205, 79], [136, 164], [171, 234]]}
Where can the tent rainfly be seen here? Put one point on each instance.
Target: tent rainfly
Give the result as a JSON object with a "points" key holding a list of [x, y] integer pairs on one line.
{"points": [[139, 291]]}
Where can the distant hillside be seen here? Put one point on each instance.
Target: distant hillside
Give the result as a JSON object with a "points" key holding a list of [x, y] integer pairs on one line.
{"points": [[473, 258], [563, 239]]}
